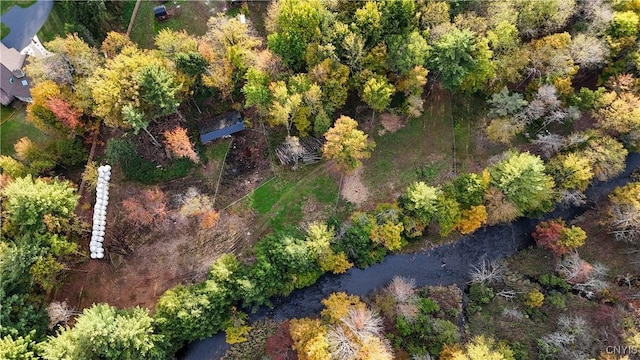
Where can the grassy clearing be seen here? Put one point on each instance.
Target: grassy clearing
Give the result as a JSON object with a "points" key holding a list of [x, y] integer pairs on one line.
{"points": [[15, 126], [54, 26], [192, 17], [291, 196], [422, 146]]}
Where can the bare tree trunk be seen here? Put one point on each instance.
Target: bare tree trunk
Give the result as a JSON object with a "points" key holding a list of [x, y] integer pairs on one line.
{"points": [[153, 139], [373, 114]]}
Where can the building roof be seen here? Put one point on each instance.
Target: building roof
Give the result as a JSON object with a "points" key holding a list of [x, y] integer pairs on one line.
{"points": [[24, 23], [13, 86], [222, 125], [11, 58]]}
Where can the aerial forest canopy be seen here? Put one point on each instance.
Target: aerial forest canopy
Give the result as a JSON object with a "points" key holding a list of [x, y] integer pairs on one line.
{"points": [[558, 83]]}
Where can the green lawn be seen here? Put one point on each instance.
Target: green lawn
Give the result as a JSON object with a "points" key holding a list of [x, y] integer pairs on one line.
{"points": [[54, 26], [423, 149], [192, 17], [15, 126], [292, 195]]}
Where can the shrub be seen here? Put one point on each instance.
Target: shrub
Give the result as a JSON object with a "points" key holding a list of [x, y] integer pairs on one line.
{"points": [[534, 299]]}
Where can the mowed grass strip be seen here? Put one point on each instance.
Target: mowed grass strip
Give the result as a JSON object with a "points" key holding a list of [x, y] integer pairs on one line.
{"points": [[15, 126]]}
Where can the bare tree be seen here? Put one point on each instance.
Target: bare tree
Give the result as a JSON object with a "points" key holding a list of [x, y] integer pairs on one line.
{"points": [[489, 272]]}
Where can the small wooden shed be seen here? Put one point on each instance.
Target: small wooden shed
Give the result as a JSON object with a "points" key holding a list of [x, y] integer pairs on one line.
{"points": [[220, 126]]}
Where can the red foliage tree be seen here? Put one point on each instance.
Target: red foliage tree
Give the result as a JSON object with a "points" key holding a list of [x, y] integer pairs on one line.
{"points": [[547, 235], [279, 345], [67, 115], [149, 208]]}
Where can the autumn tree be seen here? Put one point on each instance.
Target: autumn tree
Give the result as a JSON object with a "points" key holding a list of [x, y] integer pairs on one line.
{"points": [[377, 94], [606, 154], [171, 43], [114, 43], [420, 200], [117, 84], [177, 140], [624, 212], [556, 236], [537, 18], [347, 145], [147, 209], [332, 77], [619, 113], [571, 171], [522, 178]]}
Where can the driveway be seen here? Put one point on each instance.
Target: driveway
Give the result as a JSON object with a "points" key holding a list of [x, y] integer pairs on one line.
{"points": [[25, 23]]}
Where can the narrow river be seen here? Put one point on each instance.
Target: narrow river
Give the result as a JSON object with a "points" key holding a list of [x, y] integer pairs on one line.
{"points": [[442, 265]]}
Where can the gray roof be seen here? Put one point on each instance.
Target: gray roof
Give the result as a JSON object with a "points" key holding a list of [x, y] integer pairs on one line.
{"points": [[222, 125], [13, 86], [25, 23]]}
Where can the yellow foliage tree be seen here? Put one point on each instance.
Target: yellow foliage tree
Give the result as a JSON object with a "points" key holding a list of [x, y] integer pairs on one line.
{"points": [[472, 219], [346, 145], [388, 235], [337, 306], [309, 339]]}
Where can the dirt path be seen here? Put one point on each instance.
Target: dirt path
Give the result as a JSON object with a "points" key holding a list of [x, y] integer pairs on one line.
{"points": [[353, 188]]}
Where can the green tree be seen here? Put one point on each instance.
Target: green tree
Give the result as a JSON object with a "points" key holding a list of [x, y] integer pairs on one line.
{"points": [[368, 21], [295, 24], [347, 145], [420, 200], [27, 201], [397, 16], [104, 332], [407, 52], [452, 56], [180, 311], [377, 94], [521, 177], [158, 91], [18, 348], [256, 90]]}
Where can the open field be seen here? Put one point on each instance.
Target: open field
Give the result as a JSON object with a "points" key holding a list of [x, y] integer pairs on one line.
{"points": [[15, 126]]}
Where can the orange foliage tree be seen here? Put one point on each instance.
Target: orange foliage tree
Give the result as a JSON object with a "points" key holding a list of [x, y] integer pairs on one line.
{"points": [[147, 209], [67, 115], [179, 144]]}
